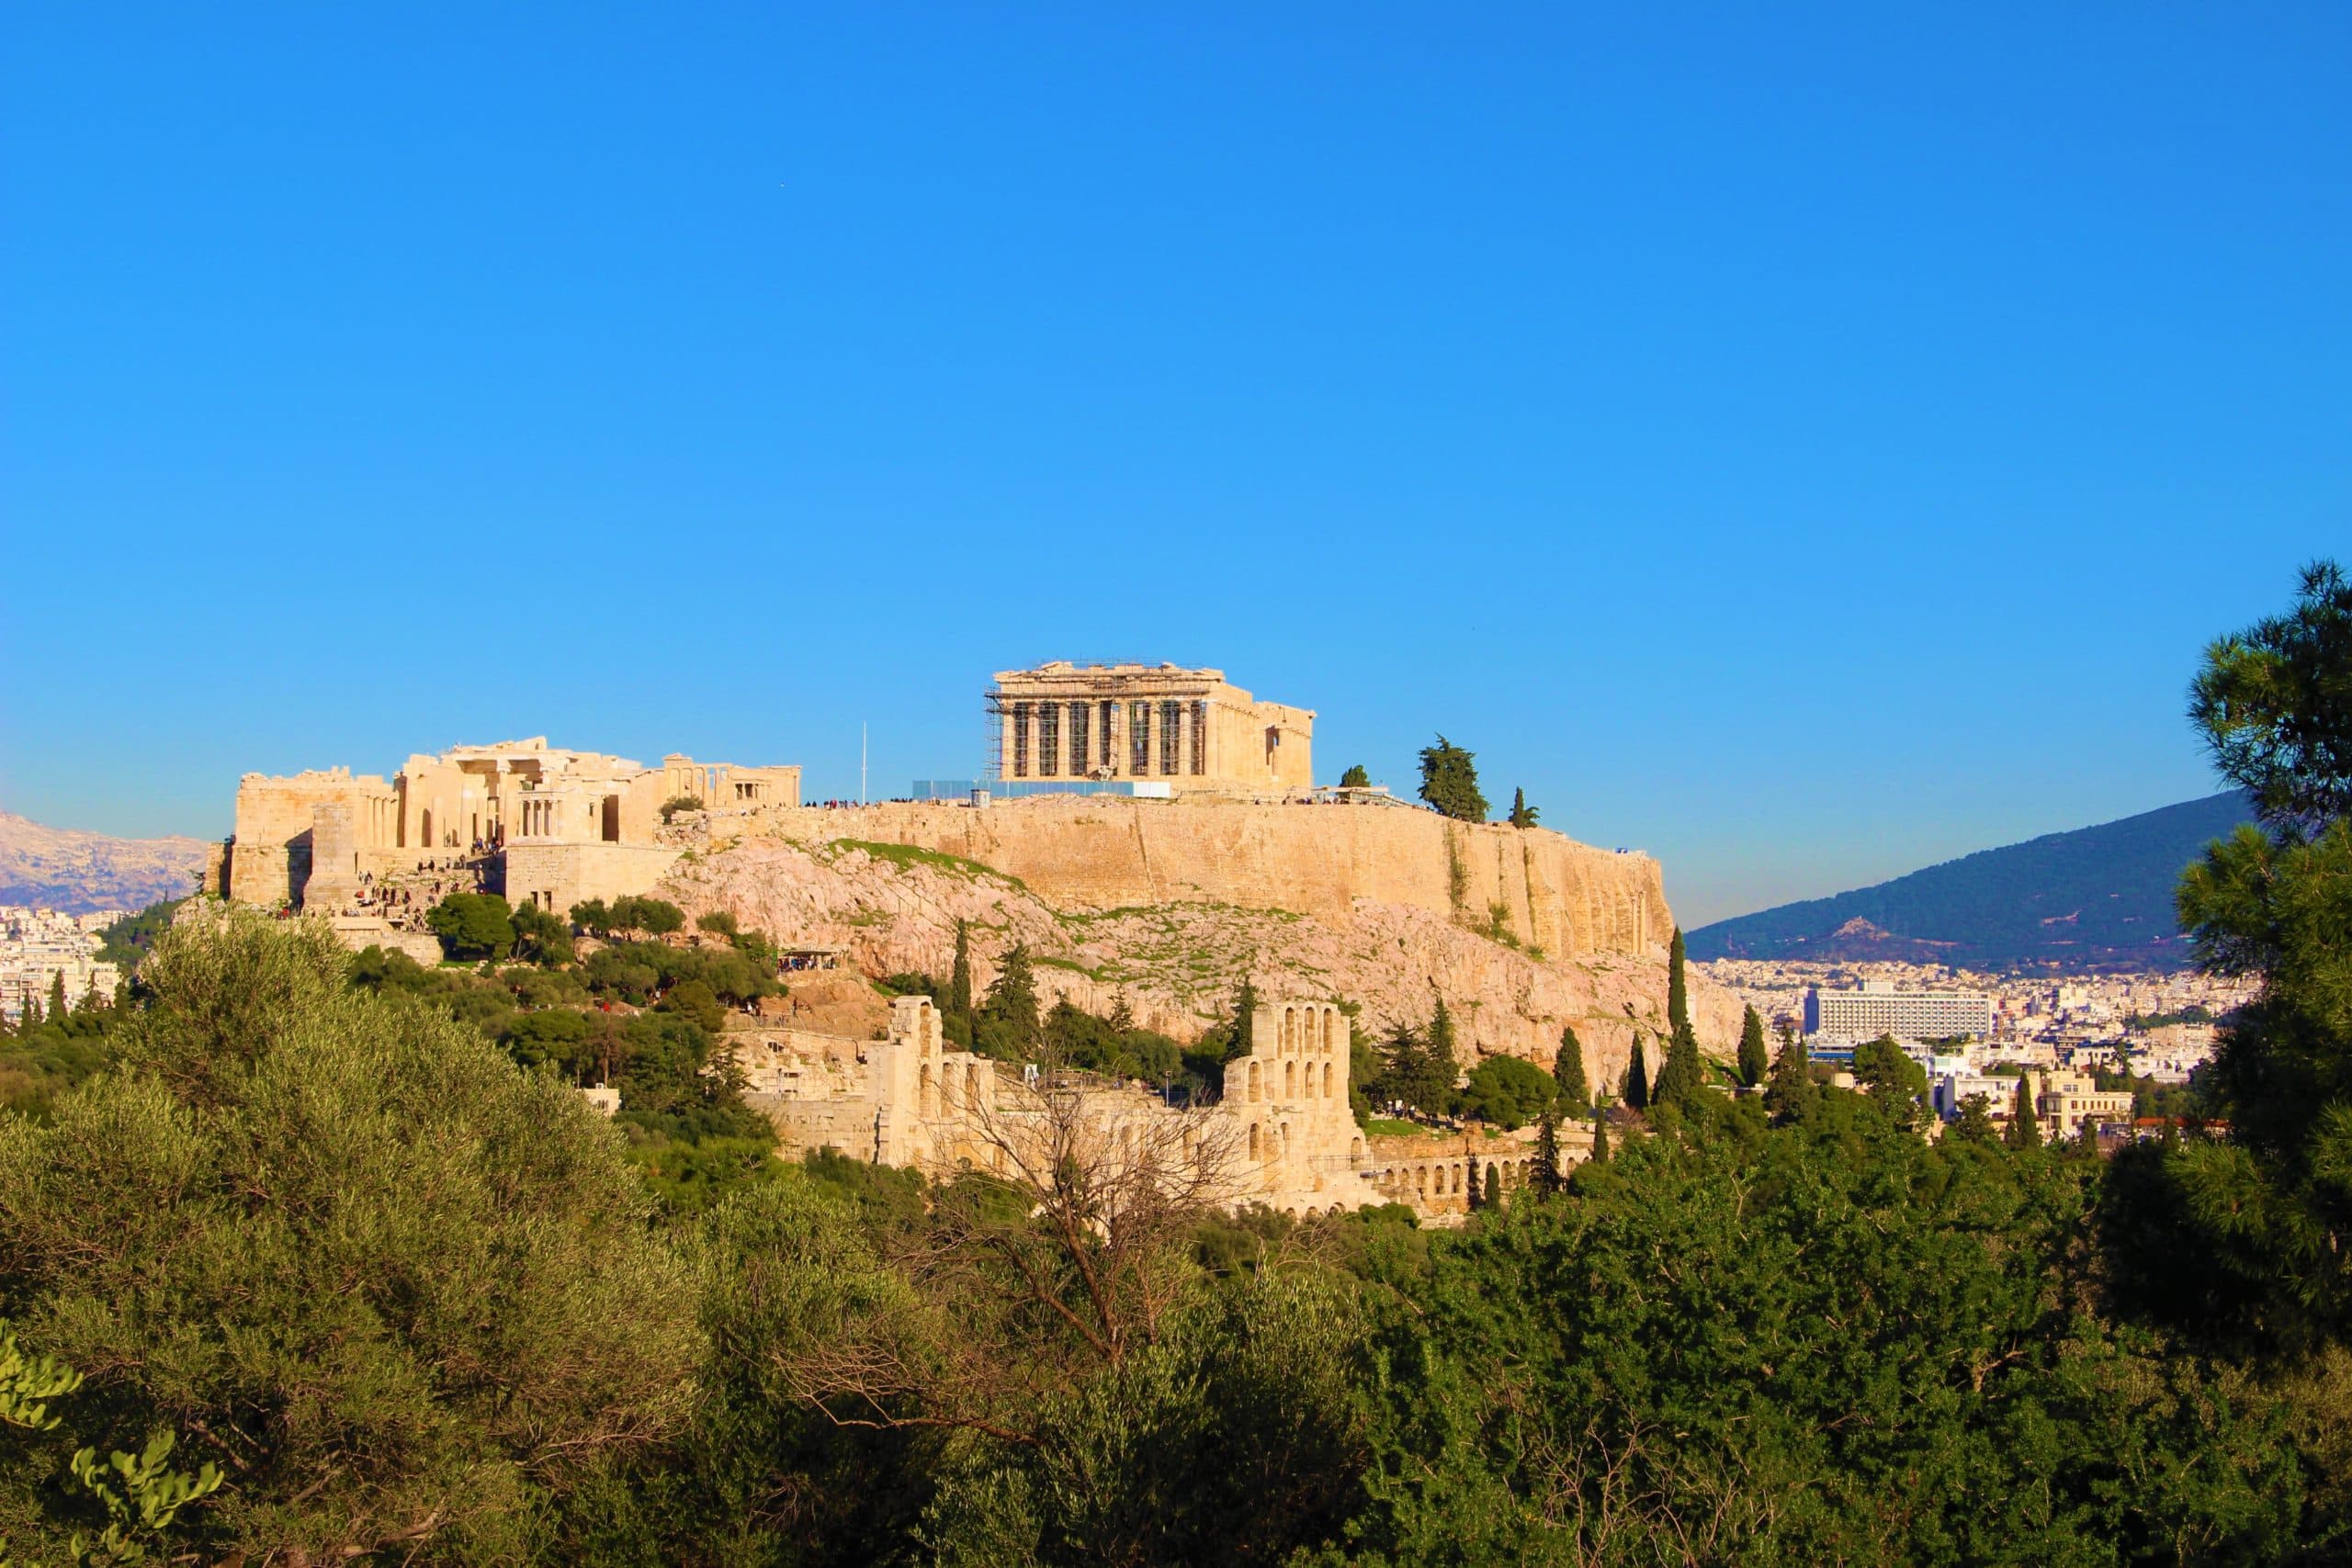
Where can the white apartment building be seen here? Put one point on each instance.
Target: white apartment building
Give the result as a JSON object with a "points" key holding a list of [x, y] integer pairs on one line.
{"points": [[1879, 1009]]}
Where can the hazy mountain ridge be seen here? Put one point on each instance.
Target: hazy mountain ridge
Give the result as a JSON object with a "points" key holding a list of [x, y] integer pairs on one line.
{"points": [[2094, 896], [65, 868]]}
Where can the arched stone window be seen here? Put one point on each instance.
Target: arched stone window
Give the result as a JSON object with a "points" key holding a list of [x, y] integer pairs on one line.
{"points": [[1290, 1030], [1327, 1081], [930, 1093], [1331, 1029], [1255, 1094], [1253, 1140], [972, 1084], [1290, 1080], [1355, 1150]]}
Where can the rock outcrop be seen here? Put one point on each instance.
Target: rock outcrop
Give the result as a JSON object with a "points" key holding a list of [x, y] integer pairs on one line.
{"points": [[1178, 960], [1532, 886]]}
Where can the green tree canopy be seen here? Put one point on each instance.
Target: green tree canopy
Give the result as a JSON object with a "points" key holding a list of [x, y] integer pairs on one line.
{"points": [[403, 1292], [1567, 1071], [1009, 1025], [2275, 705], [1754, 1062], [1522, 814], [1507, 1091], [1355, 778], [1450, 782], [473, 925]]}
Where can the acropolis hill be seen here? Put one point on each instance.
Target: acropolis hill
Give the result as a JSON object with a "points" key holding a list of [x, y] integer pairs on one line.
{"points": [[1201, 852]]}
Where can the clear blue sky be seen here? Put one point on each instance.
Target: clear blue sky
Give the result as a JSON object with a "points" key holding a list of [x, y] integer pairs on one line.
{"points": [[1802, 442]]}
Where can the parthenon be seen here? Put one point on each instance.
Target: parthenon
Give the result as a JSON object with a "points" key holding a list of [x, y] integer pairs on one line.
{"points": [[1170, 730]]}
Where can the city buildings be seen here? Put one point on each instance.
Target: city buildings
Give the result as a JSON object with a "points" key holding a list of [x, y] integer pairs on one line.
{"points": [[1877, 1008]]}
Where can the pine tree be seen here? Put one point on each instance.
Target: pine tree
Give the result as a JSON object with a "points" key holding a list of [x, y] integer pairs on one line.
{"points": [[1637, 1078], [1123, 1017], [1522, 814], [1600, 1135], [1494, 1187], [1407, 1076], [2025, 1125], [959, 984], [1544, 1174], [1790, 1093], [1567, 1071], [1011, 1002], [1450, 782], [1753, 1062]]}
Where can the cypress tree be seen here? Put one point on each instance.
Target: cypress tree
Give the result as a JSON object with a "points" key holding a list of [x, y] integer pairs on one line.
{"points": [[1567, 1071], [1543, 1175], [1753, 1063], [57, 1008], [1244, 1036], [1789, 1093], [1474, 1196], [1494, 1187], [1683, 1077], [2025, 1125], [1600, 1135], [1637, 1078], [1522, 814], [1678, 992], [1440, 1063], [32, 1013], [959, 984]]}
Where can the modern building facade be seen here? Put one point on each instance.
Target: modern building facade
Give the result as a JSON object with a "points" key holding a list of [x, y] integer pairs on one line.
{"points": [[1878, 1008]]}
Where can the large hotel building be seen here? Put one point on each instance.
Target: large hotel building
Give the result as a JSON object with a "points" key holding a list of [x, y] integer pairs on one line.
{"points": [[1878, 1008]]}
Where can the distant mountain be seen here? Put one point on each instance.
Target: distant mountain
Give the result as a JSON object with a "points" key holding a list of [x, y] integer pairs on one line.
{"points": [[62, 868], [2096, 897]]}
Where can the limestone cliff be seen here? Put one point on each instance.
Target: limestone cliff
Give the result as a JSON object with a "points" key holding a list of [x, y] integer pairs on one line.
{"points": [[1530, 886], [1177, 957]]}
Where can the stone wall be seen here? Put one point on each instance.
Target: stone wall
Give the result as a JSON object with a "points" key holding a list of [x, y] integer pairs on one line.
{"points": [[557, 876], [1568, 899]]}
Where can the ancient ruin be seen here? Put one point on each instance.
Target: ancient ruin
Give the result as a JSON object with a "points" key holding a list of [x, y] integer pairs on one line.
{"points": [[544, 825], [1280, 1133], [1171, 730]]}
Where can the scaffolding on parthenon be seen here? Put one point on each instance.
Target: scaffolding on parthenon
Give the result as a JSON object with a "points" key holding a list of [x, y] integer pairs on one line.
{"points": [[1102, 722]]}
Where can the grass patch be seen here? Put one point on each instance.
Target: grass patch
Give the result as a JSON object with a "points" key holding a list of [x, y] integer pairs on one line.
{"points": [[906, 855], [1390, 1127], [1072, 964]]}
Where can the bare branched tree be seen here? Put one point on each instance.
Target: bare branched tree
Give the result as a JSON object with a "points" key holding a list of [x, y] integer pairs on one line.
{"points": [[1058, 1247]]}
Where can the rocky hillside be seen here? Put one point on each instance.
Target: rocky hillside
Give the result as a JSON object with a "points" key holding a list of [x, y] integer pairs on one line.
{"points": [[62, 868], [1178, 963]]}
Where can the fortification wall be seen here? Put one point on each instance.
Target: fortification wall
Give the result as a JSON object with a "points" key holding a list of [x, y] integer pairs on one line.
{"points": [[1550, 892], [557, 876]]}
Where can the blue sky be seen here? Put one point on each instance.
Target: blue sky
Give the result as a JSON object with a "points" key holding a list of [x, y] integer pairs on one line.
{"points": [[1804, 443]]}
